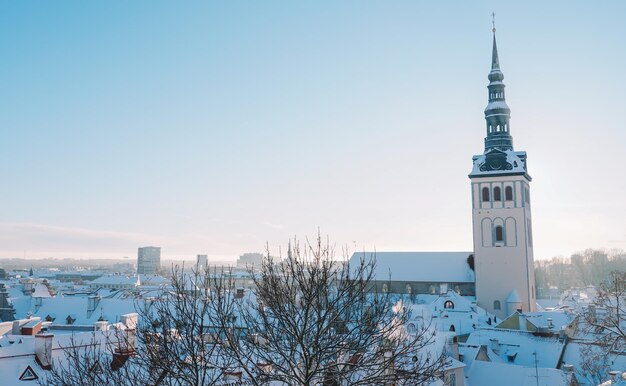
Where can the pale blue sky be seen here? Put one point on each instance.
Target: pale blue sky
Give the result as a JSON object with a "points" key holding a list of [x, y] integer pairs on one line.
{"points": [[207, 127]]}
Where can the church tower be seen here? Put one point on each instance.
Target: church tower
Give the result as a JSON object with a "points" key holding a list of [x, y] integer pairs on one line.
{"points": [[503, 244]]}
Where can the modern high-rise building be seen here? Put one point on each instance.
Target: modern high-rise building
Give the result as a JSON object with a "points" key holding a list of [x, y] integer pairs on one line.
{"points": [[503, 243], [148, 260], [250, 259], [202, 261]]}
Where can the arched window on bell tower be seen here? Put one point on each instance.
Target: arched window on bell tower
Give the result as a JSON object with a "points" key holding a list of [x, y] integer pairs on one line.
{"points": [[508, 193], [485, 194], [499, 233], [497, 194]]}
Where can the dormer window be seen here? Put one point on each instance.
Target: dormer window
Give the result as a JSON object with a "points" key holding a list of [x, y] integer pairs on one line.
{"points": [[485, 194], [448, 305], [28, 374]]}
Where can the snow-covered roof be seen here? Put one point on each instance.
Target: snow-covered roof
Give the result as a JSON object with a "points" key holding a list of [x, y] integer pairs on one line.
{"points": [[18, 356], [154, 279], [116, 280], [442, 267], [60, 307], [483, 373], [465, 316], [496, 105], [558, 319], [516, 160], [41, 291], [513, 297], [520, 347]]}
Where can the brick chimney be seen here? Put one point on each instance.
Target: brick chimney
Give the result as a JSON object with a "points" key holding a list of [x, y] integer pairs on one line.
{"points": [[43, 350]]}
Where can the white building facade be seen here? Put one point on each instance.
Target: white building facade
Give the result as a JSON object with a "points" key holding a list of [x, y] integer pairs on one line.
{"points": [[503, 248]]}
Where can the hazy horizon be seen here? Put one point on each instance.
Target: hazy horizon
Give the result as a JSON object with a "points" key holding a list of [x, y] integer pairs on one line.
{"points": [[215, 128]]}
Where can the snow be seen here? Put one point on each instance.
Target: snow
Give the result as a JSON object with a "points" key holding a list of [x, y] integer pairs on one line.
{"points": [[484, 373], [116, 280], [560, 319], [41, 291], [513, 297], [496, 105], [515, 158], [465, 316], [519, 347], [76, 307], [442, 267]]}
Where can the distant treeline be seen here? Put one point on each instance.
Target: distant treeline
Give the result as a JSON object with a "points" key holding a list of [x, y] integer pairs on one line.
{"points": [[590, 267]]}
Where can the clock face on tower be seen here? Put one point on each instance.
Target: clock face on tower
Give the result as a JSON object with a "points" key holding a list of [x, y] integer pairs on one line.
{"points": [[495, 160]]}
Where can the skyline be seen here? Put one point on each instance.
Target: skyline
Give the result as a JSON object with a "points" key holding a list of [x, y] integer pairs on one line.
{"points": [[213, 129]]}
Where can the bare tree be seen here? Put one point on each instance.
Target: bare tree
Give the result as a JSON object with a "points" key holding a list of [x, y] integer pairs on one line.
{"points": [[312, 319], [604, 323], [92, 361], [317, 320], [168, 347]]}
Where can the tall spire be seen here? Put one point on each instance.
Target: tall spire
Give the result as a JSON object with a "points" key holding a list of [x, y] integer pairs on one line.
{"points": [[497, 113], [495, 64]]}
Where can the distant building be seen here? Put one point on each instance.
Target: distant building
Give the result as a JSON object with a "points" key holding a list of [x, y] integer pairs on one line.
{"points": [[248, 259], [118, 282], [202, 261], [148, 260]]}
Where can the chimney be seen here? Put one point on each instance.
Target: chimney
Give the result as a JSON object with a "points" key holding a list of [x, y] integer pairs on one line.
{"points": [[522, 322], [17, 328], [43, 350], [452, 347], [102, 325], [592, 312], [129, 320], [147, 302], [4, 297], [494, 344], [92, 303]]}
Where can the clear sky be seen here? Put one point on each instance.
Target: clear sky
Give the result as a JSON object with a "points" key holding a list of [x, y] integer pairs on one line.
{"points": [[215, 127]]}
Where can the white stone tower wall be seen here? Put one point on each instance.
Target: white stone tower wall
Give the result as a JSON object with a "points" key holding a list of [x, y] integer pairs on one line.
{"points": [[507, 265]]}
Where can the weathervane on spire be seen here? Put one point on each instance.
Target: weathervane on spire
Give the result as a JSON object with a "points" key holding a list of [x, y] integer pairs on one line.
{"points": [[493, 22]]}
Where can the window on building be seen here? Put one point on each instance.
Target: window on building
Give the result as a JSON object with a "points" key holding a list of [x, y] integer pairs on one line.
{"points": [[499, 233], [452, 328], [448, 304], [496, 304], [452, 379], [508, 193], [485, 194], [497, 194]]}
